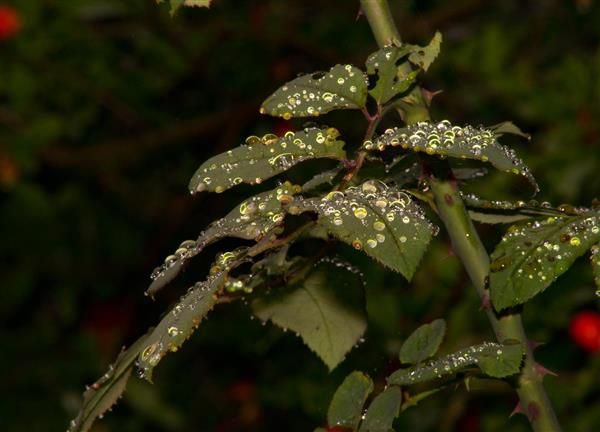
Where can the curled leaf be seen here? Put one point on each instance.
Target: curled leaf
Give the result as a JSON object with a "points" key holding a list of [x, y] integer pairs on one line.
{"points": [[105, 392], [179, 323], [444, 139], [251, 220]]}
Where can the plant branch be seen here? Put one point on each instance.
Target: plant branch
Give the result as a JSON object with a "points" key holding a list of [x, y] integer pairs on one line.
{"points": [[534, 401]]}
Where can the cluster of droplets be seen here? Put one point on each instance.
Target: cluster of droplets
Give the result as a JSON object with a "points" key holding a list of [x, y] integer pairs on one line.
{"points": [[381, 210], [180, 322], [265, 156], [318, 93], [344, 265], [444, 139], [540, 251], [186, 250], [446, 365]]}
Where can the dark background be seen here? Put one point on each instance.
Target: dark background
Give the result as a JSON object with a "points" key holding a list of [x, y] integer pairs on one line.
{"points": [[108, 107]]}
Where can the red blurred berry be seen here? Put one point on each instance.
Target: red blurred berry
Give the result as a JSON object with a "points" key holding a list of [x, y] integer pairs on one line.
{"points": [[10, 22], [585, 330], [337, 429]]}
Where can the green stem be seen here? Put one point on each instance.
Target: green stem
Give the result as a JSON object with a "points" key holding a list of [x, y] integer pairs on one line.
{"points": [[534, 401]]}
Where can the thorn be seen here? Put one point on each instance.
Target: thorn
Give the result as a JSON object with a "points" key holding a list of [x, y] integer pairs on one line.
{"points": [[518, 410], [534, 344], [486, 304], [467, 383], [429, 95], [542, 371], [359, 13]]}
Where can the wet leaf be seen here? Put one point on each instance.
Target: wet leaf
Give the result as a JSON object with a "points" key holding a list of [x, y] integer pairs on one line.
{"points": [[423, 342], [382, 411], [531, 256], [443, 139], [508, 127], [325, 178], [383, 221], [423, 57], [180, 322], [105, 392], [492, 218], [263, 158], [389, 83], [495, 360], [328, 317], [176, 4], [595, 261], [342, 87], [346, 407], [251, 220]]}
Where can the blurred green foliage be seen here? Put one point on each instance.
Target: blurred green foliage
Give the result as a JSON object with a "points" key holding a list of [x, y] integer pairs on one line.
{"points": [[106, 109]]}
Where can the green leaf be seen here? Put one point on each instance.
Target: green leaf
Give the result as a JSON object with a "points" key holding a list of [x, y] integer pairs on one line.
{"points": [[329, 317], [342, 87], [383, 221], [180, 322], [345, 409], [176, 4], [251, 220], [325, 178], [384, 63], [495, 360], [263, 158], [531, 256], [423, 342], [382, 411], [508, 127], [443, 139], [105, 392], [423, 57], [595, 261]]}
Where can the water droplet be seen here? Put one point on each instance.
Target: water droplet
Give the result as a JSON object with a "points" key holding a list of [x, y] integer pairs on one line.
{"points": [[360, 212], [378, 226], [575, 241]]}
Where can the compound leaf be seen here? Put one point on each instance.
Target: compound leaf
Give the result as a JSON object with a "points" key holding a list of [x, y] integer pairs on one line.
{"points": [[423, 342], [531, 256], [382, 411], [445, 140], [346, 407], [105, 392], [342, 87], [251, 220], [263, 158], [383, 221], [180, 322], [329, 317], [495, 360]]}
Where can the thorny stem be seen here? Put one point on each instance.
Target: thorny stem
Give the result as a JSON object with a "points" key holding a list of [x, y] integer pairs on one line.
{"points": [[534, 401]]}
